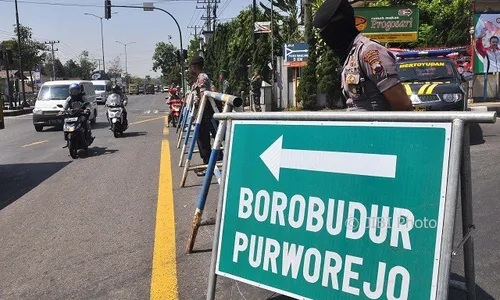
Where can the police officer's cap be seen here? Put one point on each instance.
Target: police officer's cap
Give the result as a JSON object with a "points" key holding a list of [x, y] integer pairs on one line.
{"points": [[332, 10], [197, 60]]}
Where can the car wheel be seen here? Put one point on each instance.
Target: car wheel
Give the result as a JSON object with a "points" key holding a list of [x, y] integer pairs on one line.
{"points": [[38, 128], [94, 120]]}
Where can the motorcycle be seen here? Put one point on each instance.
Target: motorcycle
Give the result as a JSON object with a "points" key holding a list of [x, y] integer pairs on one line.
{"points": [[74, 131], [115, 115], [175, 110]]}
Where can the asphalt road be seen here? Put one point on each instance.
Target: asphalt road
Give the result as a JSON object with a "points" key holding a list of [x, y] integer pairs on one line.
{"points": [[85, 228]]}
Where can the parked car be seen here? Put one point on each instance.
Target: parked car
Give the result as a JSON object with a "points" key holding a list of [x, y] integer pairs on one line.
{"points": [[432, 81]]}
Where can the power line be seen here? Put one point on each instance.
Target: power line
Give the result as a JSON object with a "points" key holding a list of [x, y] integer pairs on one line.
{"points": [[51, 43]]}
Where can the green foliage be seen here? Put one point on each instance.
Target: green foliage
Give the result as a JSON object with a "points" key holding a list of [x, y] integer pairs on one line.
{"points": [[328, 72], [32, 51], [86, 66], [114, 68], [165, 60], [307, 88]]}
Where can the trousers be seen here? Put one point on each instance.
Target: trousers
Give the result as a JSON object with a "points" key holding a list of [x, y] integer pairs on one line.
{"points": [[205, 134]]}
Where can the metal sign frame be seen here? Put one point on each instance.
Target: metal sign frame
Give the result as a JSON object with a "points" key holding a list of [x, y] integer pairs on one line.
{"points": [[459, 175]]}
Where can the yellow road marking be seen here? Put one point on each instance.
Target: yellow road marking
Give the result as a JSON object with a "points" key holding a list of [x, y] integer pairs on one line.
{"points": [[147, 120], [431, 88], [164, 274], [35, 143], [165, 127], [407, 88]]}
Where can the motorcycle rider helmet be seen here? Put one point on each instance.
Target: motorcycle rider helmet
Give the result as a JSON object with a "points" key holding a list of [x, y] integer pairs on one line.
{"points": [[75, 89]]}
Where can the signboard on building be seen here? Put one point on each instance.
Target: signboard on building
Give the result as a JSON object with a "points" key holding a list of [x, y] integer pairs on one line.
{"points": [[262, 27], [296, 55], [388, 24], [37, 76], [327, 215], [486, 56]]}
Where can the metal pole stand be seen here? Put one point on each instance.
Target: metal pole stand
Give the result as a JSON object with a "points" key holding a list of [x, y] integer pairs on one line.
{"points": [[194, 137], [468, 227], [229, 105], [192, 113], [188, 111]]}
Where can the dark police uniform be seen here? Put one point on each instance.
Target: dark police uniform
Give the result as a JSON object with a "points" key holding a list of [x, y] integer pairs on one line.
{"points": [[369, 70]]}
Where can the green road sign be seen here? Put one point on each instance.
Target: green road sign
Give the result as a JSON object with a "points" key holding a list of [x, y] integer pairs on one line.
{"points": [[388, 24], [335, 210]]}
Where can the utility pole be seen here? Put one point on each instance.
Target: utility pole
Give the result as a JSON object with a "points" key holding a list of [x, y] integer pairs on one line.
{"points": [[98, 63], [51, 43], [211, 13], [196, 35], [272, 52], [126, 60], [307, 12], [21, 71], [254, 19], [102, 40]]}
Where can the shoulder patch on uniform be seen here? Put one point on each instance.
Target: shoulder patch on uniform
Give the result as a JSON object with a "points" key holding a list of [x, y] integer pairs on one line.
{"points": [[372, 57]]}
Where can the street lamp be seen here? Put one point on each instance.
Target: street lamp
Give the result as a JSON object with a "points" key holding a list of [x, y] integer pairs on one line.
{"points": [[102, 41], [126, 61], [149, 7]]}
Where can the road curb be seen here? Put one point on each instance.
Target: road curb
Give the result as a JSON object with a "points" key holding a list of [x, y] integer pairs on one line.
{"points": [[11, 113], [484, 108]]}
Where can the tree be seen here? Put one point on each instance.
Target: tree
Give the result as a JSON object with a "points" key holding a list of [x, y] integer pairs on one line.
{"points": [[164, 59], [307, 89], [193, 48], [115, 67], [46, 68], [32, 51], [328, 71], [72, 70], [86, 66]]}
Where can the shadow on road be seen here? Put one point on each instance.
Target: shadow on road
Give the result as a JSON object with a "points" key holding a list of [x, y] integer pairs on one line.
{"points": [[100, 125], [52, 128], [98, 151], [134, 133], [18, 179], [476, 134], [461, 295]]}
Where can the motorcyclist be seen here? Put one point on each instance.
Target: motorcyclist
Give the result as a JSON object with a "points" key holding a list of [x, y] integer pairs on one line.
{"points": [[118, 90], [76, 100], [173, 99]]}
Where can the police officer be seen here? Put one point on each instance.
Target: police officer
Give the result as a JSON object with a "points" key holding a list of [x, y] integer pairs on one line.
{"points": [[202, 84], [369, 77]]}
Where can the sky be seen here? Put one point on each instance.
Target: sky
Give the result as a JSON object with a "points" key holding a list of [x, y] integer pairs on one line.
{"points": [[65, 21]]}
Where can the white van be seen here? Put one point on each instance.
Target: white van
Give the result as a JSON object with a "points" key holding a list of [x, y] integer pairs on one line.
{"points": [[102, 89], [56, 92]]}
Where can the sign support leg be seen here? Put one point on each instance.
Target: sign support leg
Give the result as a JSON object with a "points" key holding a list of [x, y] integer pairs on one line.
{"points": [[186, 139], [185, 127], [212, 279], [214, 155], [196, 130], [457, 133], [467, 217]]}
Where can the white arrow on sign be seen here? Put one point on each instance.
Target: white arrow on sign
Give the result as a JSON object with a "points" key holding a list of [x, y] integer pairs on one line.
{"points": [[377, 165]]}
